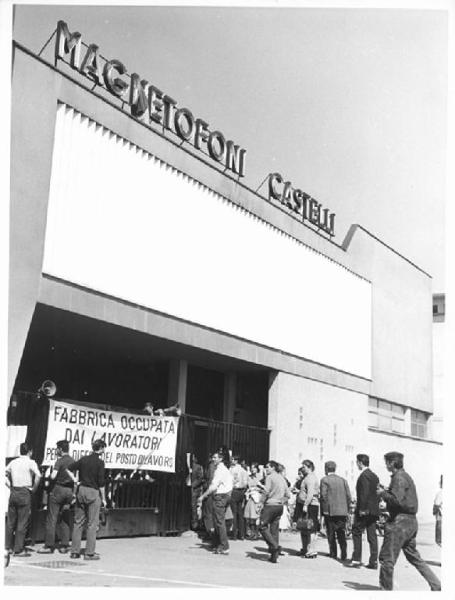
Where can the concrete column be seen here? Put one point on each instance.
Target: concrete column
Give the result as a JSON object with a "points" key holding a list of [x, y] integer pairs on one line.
{"points": [[274, 393], [230, 389], [178, 374]]}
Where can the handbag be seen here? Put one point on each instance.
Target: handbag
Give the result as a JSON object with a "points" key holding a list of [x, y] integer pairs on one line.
{"points": [[304, 524]]}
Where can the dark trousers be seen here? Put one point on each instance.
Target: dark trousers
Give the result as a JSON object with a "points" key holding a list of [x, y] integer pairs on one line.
{"points": [[58, 497], [305, 534], [336, 531], [207, 513], [438, 530], [87, 512], [220, 501], [400, 534], [195, 494], [19, 509], [269, 524], [238, 519], [367, 522]]}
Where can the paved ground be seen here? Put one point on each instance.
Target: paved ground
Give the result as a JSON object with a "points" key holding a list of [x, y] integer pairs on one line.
{"points": [[183, 562]]}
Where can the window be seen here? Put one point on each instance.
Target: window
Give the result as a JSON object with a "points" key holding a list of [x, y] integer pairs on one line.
{"points": [[439, 308], [419, 422], [385, 415]]}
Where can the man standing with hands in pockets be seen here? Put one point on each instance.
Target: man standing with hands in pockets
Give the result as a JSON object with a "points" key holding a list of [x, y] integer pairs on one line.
{"points": [[366, 513], [89, 498]]}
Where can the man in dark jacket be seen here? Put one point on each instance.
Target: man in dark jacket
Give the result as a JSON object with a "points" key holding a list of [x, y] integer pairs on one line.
{"points": [[401, 531], [197, 482], [366, 513], [89, 497], [335, 501]]}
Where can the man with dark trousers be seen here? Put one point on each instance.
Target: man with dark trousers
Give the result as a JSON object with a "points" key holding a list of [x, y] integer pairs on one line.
{"points": [[220, 489], [366, 513], [22, 478], [89, 498], [239, 486], [335, 500], [60, 495], [401, 531], [276, 492], [197, 482]]}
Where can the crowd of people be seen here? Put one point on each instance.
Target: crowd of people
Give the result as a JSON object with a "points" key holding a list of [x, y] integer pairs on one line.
{"points": [[254, 500], [235, 501]]}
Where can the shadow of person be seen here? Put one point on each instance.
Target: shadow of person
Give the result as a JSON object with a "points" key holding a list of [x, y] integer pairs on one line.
{"points": [[205, 546], [355, 585], [256, 556]]}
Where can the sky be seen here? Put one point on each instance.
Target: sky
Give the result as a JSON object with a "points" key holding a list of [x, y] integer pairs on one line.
{"points": [[348, 104]]}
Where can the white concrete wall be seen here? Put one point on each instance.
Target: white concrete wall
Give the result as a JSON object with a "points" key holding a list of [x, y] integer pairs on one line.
{"points": [[320, 422], [126, 224], [438, 381], [402, 323], [316, 421]]}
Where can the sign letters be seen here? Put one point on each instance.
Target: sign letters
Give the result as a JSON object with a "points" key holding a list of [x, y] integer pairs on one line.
{"points": [[301, 203], [148, 102], [145, 100]]}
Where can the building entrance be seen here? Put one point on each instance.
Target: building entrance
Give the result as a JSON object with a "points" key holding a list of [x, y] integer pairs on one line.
{"points": [[94, 362]]}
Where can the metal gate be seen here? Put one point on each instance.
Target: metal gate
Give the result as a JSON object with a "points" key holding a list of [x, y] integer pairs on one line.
{"points": [[167, 493]]}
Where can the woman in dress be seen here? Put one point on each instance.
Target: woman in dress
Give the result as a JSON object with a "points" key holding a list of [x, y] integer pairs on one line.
{"points": [[296, 490], [253, 506]]}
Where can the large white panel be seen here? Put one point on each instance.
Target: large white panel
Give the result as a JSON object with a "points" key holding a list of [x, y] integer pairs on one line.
{"points": [[124, 223]]}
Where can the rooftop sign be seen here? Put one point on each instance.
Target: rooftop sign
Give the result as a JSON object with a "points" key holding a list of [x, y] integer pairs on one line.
{"points": [[147, 101], [144, 99], [301, 204]]}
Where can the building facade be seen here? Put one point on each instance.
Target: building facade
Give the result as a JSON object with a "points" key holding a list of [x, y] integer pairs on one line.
{"points": [[142, 268]]}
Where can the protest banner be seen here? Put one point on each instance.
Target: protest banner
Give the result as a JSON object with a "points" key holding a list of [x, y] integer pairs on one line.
{"points": [[133, 441]]}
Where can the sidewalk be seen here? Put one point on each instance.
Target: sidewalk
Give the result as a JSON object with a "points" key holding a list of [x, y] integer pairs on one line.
{"points": [[184, 562]]}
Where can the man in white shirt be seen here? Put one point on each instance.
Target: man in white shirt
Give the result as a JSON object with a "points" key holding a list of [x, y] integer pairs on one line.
{"points": [[22, 477], [220, 488], [239, 485]]}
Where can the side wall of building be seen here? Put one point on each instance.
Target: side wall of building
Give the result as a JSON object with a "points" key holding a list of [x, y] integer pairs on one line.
{"points": [[402, 323], [321, 422]]}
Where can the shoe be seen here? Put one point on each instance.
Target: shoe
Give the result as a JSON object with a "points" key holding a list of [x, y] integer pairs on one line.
{"points": [[274, 556], [311, 555], [354, 564], [75, 555], [63, 549], [221, 551], [21, 554], [371, 566], [46, 550], [93, 556]]}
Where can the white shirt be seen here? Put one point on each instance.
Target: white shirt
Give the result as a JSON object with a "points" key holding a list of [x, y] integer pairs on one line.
{"points": [[240, 477], [22, 471], [222, 480]]}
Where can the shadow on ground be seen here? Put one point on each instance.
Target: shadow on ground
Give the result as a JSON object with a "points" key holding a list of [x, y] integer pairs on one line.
{"points": [[355, 585], [256, 556]]}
